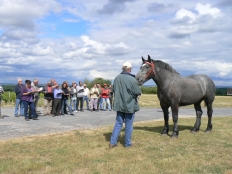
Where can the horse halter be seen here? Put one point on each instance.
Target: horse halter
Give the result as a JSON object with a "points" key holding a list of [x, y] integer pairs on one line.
{"points": [[151, 69]]}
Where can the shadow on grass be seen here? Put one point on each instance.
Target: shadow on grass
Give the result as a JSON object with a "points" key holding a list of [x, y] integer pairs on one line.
{"points": [[120, 138], [159, 129]]}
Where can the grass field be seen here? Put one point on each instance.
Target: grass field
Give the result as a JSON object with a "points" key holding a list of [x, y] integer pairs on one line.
{"points": [[86, 151]]}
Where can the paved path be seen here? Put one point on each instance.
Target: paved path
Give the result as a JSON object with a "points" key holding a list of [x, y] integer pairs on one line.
{"points": [[13, 127]]}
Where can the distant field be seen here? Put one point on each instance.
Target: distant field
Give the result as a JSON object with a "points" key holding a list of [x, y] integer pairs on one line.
{"points": [[152, 101]]}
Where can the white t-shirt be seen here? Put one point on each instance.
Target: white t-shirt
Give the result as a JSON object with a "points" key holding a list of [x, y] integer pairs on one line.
{"points": [[86, 91]]}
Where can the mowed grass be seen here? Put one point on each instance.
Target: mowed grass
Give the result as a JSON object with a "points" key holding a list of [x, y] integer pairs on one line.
{"points": [[152, 101], [86, 151]]}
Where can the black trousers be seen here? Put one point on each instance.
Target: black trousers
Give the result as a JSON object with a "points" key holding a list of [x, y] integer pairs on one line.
{"points": [[56, 106], [80, 100]]}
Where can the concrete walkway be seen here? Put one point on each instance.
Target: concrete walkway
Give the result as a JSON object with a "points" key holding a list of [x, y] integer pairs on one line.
{"points": [[13, 127]]}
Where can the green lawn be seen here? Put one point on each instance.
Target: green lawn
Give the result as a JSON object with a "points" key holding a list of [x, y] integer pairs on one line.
{"points": [[86, 151]]}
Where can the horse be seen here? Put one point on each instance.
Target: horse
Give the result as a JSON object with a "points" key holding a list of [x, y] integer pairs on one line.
{"points": [[175, 90]]}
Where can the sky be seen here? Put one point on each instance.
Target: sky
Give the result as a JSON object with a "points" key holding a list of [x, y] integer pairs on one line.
{"points": [[75, 40]]}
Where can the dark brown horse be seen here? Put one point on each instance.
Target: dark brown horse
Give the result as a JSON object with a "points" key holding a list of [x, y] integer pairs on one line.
{"points": [[175, 90]]}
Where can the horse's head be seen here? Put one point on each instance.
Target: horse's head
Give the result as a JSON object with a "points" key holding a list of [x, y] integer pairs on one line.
{"points": [[146, 71]]}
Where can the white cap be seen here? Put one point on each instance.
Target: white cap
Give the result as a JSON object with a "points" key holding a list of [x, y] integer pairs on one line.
{"points": [[127, 64]]}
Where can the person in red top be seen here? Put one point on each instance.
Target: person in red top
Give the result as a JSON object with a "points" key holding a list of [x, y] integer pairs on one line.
{"points": [[105, 97]]}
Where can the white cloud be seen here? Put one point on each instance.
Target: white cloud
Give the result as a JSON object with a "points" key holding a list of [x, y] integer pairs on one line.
{"points": [[104, 74], [185, 13], [207, 9]]}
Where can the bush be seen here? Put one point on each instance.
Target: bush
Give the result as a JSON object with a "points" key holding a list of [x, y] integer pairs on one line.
{"points": [[99, 80], [149, 90]]}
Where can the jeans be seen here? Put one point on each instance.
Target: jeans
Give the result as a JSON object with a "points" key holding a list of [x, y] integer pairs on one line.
{"points": [[100, 101], [104, 102], [85, 98], [65, 102], [74, 102], [129, 119], [32, 107], [17, 103], [80, 100]]}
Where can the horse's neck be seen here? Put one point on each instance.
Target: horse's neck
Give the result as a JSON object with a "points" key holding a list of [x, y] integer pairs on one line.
{"points": [[163, 79]]}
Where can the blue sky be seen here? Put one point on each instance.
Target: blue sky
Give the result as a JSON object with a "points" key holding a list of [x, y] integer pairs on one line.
{"points": [[73, 40]]}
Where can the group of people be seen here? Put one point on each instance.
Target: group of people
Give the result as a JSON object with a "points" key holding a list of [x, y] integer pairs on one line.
{"points": [[57, 99], [125, 91]]}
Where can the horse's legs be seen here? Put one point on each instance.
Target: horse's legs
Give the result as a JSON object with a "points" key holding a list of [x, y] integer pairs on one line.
{"points": [[210, 113], [199, 112], [175, 109], [166, 118]]}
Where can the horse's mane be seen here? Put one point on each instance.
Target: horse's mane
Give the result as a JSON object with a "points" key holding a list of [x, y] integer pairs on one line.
{"points": [[164, 65]]}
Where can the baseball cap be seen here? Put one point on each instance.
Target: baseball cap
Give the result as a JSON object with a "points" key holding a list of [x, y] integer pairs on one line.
{"points": [[105, 84], [127, 64]]}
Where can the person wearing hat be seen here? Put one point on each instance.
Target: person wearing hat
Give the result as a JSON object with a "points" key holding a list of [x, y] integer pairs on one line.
{"points": [[48, 98], [126, 91], [105, 97], [85, 96]]}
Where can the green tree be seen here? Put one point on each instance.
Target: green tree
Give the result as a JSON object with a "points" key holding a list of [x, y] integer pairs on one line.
{"points": [[99, 80]]}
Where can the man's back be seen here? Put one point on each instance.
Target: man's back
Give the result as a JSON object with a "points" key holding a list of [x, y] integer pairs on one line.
{"points": [[126, 90]]}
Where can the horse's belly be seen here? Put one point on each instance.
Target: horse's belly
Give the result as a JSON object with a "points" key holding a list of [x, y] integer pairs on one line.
{"points": [[190, 99]]}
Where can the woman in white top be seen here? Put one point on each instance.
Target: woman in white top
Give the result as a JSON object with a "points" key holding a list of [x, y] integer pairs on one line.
{"points": [[94, 94]]}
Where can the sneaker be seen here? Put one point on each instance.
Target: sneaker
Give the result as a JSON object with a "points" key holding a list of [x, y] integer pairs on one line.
{"points": [[75, 111], [27, 119], [16, 115]]}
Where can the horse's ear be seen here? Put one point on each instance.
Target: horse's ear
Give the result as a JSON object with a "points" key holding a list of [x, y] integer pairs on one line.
{"points": [[149, 59], [143, 59]]}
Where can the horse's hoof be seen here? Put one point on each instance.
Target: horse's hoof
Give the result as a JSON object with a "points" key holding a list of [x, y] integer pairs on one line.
{"points": [[207, 131], [194, 130], [164, 134], [174, 135]]}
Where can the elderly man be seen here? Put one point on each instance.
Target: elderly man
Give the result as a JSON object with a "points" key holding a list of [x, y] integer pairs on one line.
{"points": [[18, 101], [126, 91]]}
